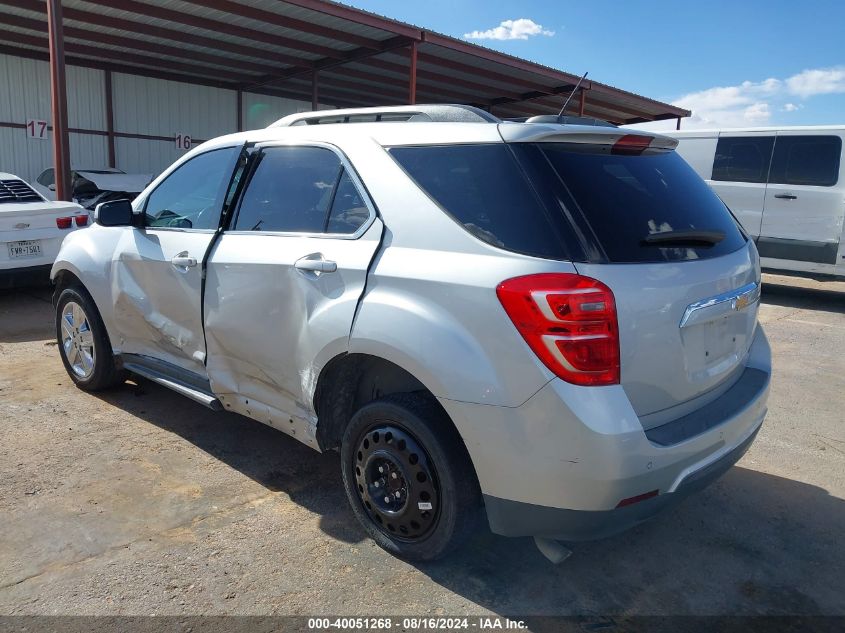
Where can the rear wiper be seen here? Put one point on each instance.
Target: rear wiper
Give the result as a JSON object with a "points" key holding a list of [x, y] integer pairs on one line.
{"points": [[692, 237]]}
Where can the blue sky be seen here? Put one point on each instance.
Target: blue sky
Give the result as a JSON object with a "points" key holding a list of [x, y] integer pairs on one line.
{"points": [[739, 63]]}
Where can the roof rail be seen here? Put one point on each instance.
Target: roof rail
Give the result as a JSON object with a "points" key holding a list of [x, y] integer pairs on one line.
{"points": [[440, 113], [563, 119]]}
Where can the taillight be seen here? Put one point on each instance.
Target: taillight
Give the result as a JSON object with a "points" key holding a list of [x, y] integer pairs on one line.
{"points": [[631, 144], [569, 321], [64, 223], [82, 220]]}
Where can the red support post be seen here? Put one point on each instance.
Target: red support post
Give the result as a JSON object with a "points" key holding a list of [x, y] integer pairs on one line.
{"points": [[412, 87], [58, 100], [315, 90], [109, 117], [239, 95], [583, 103]]}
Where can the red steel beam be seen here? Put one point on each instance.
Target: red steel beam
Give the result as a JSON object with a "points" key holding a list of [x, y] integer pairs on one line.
{"points": [[183, 19], [424, 74], [226, 28], [412, 75], [269, 17], [58, 101], [359, 17], [583, 102], [323, 64], [315, 102], [109, 116], [439, 92], [130, 58], [239, 114], [87, 36]]}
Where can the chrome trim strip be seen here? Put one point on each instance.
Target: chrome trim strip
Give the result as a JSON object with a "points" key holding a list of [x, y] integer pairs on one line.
{"points": [[739, 299]]}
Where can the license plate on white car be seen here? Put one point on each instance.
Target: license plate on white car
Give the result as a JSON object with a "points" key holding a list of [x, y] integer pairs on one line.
{"points": [[27, 248]]}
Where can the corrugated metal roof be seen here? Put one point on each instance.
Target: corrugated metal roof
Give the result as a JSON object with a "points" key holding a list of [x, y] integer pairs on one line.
{"points": [[274, 45]]}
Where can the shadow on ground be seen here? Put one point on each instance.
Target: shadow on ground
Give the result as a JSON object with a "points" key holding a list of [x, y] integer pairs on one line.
{"points": [[26, 314], [764, 544], [818, 299]]}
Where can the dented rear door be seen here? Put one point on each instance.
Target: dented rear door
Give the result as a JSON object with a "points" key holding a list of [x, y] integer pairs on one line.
{"points": [[284, 281]]}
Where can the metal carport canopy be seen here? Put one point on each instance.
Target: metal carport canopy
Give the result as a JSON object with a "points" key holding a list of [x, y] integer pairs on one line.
{"points": [[274, 46], [312, 50]]}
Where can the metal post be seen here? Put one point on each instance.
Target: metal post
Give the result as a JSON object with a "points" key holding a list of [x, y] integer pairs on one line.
{"points": [[315, 90], [239, 95], [678, 125], [412, 87], [109, 118], [58, 100], [583, 102]]}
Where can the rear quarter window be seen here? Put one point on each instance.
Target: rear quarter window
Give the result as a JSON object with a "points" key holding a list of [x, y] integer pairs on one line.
{"points": [[484, 189]]}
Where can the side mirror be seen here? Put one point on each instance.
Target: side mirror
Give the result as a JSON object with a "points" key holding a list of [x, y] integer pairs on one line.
{"points": [[114, 213], [51, 187]]}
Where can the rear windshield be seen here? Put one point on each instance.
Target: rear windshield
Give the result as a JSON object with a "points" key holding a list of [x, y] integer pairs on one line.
{"points": [[562, 201]]}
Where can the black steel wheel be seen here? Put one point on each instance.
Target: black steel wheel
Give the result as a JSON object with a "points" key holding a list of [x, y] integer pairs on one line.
{"points": [[408, 476], [396, 482]]}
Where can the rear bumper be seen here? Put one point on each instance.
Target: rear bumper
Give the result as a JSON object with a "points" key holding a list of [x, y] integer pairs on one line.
{"points": [[21, 277], [512, 518], [558, 465]]}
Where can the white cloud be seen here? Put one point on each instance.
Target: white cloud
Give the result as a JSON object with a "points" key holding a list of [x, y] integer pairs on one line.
{"points": [[753, 103], [520, 29], [820, 81]]}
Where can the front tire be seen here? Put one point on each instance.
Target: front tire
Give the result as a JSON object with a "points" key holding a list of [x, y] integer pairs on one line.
{"points": [[408, 477], [83, 342]]}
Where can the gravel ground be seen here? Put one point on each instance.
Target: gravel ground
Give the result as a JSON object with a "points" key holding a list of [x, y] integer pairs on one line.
{"points": [[139, 501]]}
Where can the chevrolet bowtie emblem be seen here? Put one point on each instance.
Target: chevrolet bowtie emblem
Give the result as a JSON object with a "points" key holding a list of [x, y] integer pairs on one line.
{"points": [[741, 302], [22, 225]]}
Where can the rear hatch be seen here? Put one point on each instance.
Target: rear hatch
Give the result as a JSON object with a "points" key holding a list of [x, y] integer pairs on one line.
{"points": [[684, 277]]}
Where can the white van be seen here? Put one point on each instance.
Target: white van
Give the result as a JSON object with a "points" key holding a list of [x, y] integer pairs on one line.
{"points": [[785, 185]]}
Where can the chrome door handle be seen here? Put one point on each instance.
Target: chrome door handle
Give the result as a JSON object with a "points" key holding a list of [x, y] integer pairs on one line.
{"points": [[315, 264], [786, 196], [183, 261]]}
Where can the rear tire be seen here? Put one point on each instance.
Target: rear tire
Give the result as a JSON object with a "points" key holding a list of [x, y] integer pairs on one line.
{"points": [[83, 342], [408, 477]]}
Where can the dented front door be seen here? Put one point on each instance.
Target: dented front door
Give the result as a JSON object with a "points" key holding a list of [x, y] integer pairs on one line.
{"points": [[158, 270], [158, 294]]}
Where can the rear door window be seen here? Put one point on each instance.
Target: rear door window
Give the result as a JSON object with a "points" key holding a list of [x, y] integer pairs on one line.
{"points": [[806, 160], [290, 190], [743, 158]]}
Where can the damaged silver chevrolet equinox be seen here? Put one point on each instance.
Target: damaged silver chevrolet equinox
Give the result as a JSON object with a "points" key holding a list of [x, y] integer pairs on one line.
{"points": [[549, 323]]}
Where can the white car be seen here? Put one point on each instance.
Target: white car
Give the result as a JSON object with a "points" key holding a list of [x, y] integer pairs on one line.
{"points": [[31, 231]]}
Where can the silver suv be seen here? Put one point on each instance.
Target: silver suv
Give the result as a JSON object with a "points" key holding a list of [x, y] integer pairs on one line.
{"points": [[550, 323]]}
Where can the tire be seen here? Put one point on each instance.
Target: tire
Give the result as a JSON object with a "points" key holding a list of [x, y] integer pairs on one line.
{"points": [[83, 342], [431, 499]]}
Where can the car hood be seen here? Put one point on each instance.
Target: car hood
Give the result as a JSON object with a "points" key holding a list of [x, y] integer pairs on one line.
{"points": [[130, 183]]}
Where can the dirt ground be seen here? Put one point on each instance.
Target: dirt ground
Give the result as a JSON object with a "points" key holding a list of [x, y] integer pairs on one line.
{"points": [[139, 501]]}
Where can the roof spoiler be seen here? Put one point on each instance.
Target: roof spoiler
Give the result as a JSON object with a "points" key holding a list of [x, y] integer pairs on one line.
{"points": [[586, 134], [448, 113]]}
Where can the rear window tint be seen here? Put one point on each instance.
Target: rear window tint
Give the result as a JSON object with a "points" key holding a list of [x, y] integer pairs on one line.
{"points": [[743, 158], [806, 160], [484, 189], [624, 199]]}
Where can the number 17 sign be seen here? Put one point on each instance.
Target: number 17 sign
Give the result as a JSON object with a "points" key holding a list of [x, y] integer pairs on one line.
{"points": [[36, 129]]}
